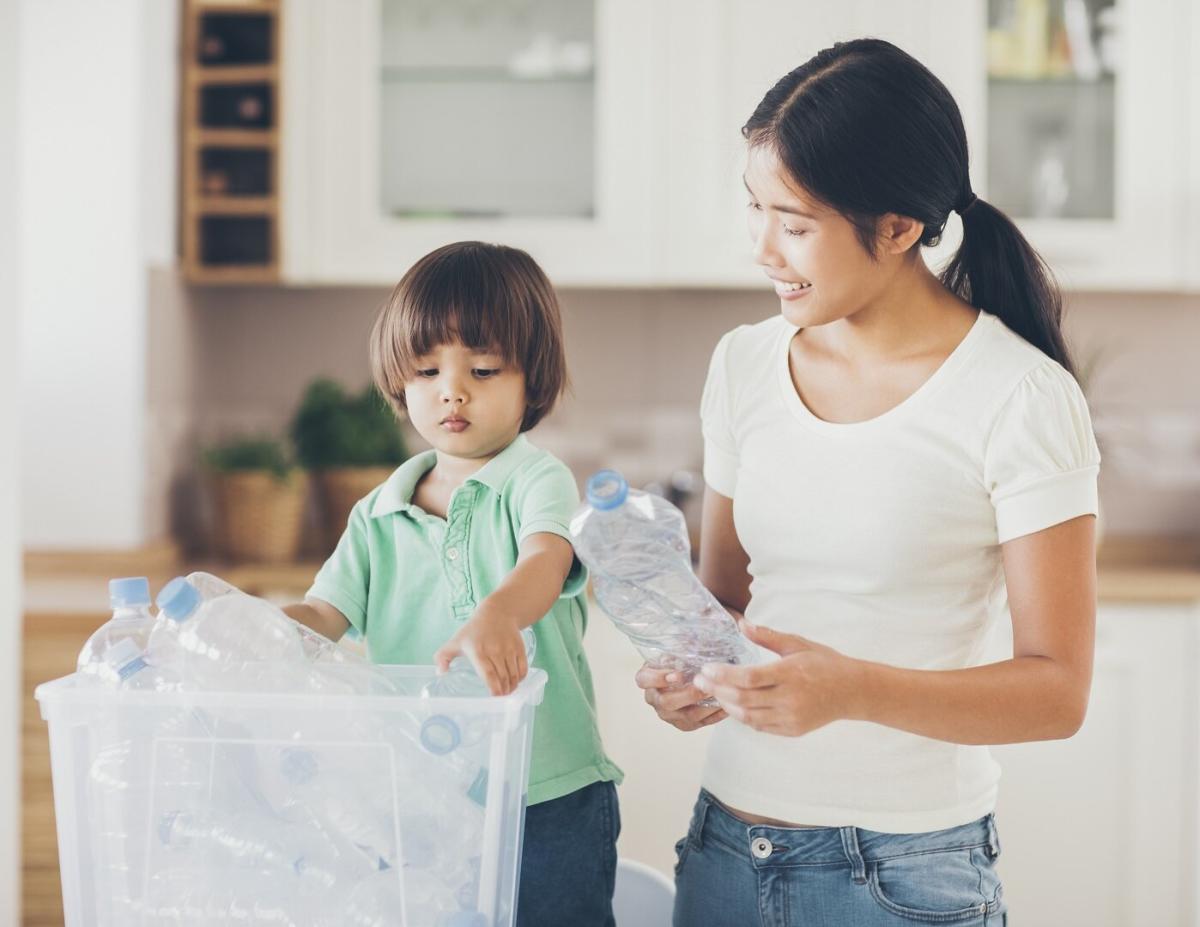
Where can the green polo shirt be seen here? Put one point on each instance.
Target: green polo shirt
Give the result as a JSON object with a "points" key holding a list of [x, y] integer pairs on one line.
{"points": [[407, 580]]}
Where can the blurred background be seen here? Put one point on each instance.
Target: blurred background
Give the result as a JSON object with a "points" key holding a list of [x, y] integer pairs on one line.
{"points": [[203, 204]]}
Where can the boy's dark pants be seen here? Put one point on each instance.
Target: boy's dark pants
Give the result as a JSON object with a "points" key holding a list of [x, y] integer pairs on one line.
{"points": [[569, 861]]}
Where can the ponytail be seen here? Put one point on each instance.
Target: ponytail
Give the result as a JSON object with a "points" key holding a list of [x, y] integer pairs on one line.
{"points": [[867, 130], [996, 269]]}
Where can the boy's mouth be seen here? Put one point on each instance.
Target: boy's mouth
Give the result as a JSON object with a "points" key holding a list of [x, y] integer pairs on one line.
{"points": [[455, 423]]}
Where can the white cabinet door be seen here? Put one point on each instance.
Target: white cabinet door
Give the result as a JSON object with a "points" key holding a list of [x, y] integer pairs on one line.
{"points": [[336, 229], [1099, 829], [722, 58]]}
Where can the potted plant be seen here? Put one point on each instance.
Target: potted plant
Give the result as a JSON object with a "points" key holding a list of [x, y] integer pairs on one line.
{"points": [[259, 496], [350, 442]]}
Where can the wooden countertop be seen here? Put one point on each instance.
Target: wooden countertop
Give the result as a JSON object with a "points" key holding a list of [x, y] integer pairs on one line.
{"points": [[1130, 569]]}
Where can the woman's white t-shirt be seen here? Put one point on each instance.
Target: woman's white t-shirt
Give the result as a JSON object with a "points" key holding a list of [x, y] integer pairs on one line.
{"points": [[882, 540]]}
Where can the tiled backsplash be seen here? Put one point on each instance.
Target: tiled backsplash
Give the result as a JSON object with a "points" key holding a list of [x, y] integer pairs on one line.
{"points": [[228, 361]]}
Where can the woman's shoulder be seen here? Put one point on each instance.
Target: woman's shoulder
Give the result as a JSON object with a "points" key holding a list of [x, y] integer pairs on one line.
{"points": [[1006, 363]]}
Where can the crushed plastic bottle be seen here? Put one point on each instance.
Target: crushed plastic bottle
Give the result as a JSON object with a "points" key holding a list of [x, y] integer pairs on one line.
{"points": [[636, 546]]}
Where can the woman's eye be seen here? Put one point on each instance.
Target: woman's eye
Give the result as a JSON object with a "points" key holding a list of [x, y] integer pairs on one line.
{"points": [[753, 205], [795, 232], [485, 372]]}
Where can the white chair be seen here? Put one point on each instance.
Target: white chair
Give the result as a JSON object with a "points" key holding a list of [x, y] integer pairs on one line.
{"points": [[644, 897]]}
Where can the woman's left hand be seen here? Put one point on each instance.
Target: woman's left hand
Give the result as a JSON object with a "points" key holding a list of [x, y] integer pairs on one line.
{"points": [[808, 687]]}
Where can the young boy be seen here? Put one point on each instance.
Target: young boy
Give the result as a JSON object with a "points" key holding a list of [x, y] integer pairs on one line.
{"points": [[467, 544]]}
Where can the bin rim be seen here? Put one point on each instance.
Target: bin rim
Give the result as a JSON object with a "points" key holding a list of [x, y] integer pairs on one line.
{"points": [[65, 691]]}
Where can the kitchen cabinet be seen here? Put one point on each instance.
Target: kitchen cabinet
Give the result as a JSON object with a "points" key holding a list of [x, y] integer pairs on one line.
{"points": [[410, 124], [1091, 169], [1101, 829], [605, 139]]}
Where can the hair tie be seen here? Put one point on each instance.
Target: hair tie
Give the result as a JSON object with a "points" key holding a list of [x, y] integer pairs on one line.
{"points": [[966, 206]]}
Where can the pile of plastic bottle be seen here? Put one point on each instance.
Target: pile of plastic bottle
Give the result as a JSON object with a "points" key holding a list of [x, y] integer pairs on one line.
{"points": [[635, 544], [204, 820]]}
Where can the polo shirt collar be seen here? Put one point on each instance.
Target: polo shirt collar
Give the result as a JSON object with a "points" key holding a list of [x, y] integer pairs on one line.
{"points": [[397, 492]]}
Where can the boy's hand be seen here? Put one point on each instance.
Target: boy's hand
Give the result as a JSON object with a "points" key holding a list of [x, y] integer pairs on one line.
{"points": [[492, 641]]}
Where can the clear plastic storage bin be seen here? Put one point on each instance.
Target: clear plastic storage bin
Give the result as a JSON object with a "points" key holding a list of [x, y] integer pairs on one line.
{"points": [[350, 810]]}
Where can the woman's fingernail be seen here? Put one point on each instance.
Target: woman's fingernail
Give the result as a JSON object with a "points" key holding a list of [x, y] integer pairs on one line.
{"points": [[672, 677]]}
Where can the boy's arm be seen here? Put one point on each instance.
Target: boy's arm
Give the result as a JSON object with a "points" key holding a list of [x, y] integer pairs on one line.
{"points": [[528, 592], [320, 616], [492, 638]]}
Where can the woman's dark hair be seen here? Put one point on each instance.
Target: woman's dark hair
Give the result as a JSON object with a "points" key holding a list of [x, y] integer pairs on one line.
{"points": [[866, 129], [484, 296]]}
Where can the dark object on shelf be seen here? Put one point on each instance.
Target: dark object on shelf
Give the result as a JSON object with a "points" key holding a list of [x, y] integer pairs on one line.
{"points": [[235, 172], [238, 106], [236, 39], [229, 141], [234, 240]]}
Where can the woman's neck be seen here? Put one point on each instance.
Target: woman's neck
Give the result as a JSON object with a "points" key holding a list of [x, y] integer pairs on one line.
{"points": [[913, 315]]}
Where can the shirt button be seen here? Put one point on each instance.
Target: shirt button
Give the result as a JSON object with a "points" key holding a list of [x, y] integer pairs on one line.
{"points": [[761, 847], [452, 553]]}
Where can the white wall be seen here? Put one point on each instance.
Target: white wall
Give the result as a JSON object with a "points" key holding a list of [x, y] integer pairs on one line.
{"points": [[10, 596], [98, 167]]}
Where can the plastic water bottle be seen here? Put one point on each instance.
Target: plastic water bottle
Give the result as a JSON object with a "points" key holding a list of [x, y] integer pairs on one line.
{"points": [[130, 667], [461, 680], [217, 640], [131, 620], [636, 546]]}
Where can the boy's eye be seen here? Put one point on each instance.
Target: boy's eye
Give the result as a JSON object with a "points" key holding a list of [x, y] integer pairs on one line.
{"points": [[485, 372], [428, 372]]}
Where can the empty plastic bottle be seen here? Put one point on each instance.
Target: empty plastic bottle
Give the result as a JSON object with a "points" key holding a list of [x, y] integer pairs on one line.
{"points": [[636, 546], [232, 641], [131, 620]]}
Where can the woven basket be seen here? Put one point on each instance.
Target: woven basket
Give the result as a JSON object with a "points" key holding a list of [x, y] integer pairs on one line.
{"points": [[338, 488], [259, 516]]}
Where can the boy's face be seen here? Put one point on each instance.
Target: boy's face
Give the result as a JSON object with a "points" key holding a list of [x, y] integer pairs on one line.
{"points": [[466, 402]]}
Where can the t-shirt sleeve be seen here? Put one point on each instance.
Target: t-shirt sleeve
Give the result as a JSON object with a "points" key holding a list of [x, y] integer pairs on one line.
{"points": [[343, 579], [545, 504], [1042, 462], [720, 448]]}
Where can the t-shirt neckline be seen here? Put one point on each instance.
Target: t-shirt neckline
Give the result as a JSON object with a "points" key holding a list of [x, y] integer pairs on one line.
{"points": [[953, 362]]}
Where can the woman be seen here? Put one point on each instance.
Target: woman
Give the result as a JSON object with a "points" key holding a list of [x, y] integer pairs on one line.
{"points": [[893, 464]]}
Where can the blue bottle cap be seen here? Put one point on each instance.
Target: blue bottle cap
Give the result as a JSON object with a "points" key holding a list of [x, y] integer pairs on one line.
{"points": [[129, 592], [440, 735], [178, 599], [606, 490]]}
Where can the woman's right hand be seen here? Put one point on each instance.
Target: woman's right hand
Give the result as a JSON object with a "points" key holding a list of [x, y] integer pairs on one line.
{"points": [[675, 702]]}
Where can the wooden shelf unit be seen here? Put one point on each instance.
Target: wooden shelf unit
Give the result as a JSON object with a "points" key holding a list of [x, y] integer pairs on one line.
{"points": [[230, 141]]}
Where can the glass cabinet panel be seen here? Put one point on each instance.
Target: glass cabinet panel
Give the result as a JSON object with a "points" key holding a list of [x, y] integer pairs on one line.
{"points": [[487, 108], [1053, 68]]}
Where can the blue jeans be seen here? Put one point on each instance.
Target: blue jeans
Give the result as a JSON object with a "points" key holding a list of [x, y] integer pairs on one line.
{"points": [[569, 860], [733, 873]]}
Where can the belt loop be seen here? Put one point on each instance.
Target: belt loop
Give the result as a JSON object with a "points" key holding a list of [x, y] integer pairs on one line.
{"points": [[699, 817], [858, 866], [993, 838]]}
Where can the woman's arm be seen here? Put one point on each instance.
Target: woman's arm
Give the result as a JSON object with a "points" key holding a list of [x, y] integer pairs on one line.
{"points": [[1040, 694], [724, 563]]}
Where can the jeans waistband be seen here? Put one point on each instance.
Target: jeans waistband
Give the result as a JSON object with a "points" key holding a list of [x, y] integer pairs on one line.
{"points": [[765, 845]]}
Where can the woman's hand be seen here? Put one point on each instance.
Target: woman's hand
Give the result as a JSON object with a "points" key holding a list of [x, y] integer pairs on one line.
{"points": [[676, 703], [492, 642], [807, 688]]}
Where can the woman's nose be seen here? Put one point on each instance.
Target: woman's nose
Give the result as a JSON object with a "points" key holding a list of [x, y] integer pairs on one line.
{"points": [[764, 251]]}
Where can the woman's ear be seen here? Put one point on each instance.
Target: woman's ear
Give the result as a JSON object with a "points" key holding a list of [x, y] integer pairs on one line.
{"points": [[896, 233]]}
